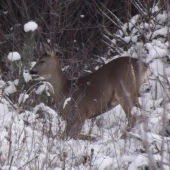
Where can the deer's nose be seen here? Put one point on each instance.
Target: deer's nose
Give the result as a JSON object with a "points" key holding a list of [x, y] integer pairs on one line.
{"points": [[33, 72]]}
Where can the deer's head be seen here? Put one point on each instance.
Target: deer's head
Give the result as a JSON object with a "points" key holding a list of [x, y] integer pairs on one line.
{"points": [[46, 65]]}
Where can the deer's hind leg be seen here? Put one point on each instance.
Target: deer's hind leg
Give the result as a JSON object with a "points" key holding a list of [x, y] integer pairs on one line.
{"points": [[131, 118], [127, 102]]}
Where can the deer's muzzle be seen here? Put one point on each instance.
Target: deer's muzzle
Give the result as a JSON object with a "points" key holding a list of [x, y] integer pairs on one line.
{"points": [[33, 72]]}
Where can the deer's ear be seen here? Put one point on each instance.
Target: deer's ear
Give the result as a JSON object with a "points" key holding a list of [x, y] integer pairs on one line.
{"points": [[48, 49]]}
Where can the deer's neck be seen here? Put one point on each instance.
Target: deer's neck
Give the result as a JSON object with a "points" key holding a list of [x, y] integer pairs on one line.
{"points": [[57, 81]]}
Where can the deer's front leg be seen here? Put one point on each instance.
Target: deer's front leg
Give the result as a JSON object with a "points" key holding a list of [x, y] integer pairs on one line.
{"points": [[73, 127]]}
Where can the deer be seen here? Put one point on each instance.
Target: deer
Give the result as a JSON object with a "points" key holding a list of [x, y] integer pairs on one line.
{"points": [[117, 82]]}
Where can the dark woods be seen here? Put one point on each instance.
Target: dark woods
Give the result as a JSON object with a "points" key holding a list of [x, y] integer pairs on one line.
{"points": [[81, 31], [75, 27]]}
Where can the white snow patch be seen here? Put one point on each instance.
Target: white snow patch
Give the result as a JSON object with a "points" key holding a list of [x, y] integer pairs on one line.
{"points": [[10, 88], [127, 39], [30, 26], [139, 161], [104, 163], [128, 158], [2, 84], [5, 12], [16, 81], [133, 21], [135, 38], [167, 71], [50, 87], [66, 102], [32, 64], [155, 9], [155, 52], [162, 31], [9, 167], [13, 56], [162, 17], [157, 67], [160, 44], [22, 98], [40, 89], [27, 76]]}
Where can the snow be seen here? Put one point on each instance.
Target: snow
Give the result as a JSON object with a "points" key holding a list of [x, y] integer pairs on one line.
{"points": [[14, 56], [157, 67], [155, 9], [16, 81], [10, 88], [155, 52], [162, 17], [66, 102], [139, 161], [161, 32], [133, 21], [32, 64], [8, 167], [167, 71], [134, 39], [2, 84], [104, 149], [5, 12], [127, 39], [40, 89], [50, 87], [22, 98], [27, 76], [30, 26], [128, 158], [104, 163]]}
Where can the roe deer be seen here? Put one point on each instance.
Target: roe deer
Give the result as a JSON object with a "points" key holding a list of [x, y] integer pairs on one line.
{"points": [[117, 82]]}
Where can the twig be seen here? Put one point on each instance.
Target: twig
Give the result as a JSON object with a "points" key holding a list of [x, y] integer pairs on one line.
{"points": [[10, 102], [64, 159], [11, 162], [28, 162], [91, 157], [134, 135], [118, 25]]}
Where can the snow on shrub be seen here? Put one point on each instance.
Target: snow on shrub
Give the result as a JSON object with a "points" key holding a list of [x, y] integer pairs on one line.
{"points": [[22, 98], [27, 76], [13, 56], [30, 26]]}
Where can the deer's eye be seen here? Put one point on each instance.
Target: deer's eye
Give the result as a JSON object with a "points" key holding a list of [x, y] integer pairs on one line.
{"points": [[42, 61]]}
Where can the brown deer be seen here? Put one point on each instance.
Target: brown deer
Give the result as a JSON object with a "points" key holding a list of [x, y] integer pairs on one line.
{"points": [[117, 82]]}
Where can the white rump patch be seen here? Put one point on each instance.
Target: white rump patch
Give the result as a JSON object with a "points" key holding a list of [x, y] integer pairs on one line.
{"points": [[66, 102]]}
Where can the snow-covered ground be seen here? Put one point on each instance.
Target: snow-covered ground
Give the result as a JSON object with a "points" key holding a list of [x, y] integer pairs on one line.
{"points": [[30, 139]]}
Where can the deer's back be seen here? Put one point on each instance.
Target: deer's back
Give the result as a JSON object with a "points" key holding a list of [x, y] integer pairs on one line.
{"points": [[97, 91]]}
